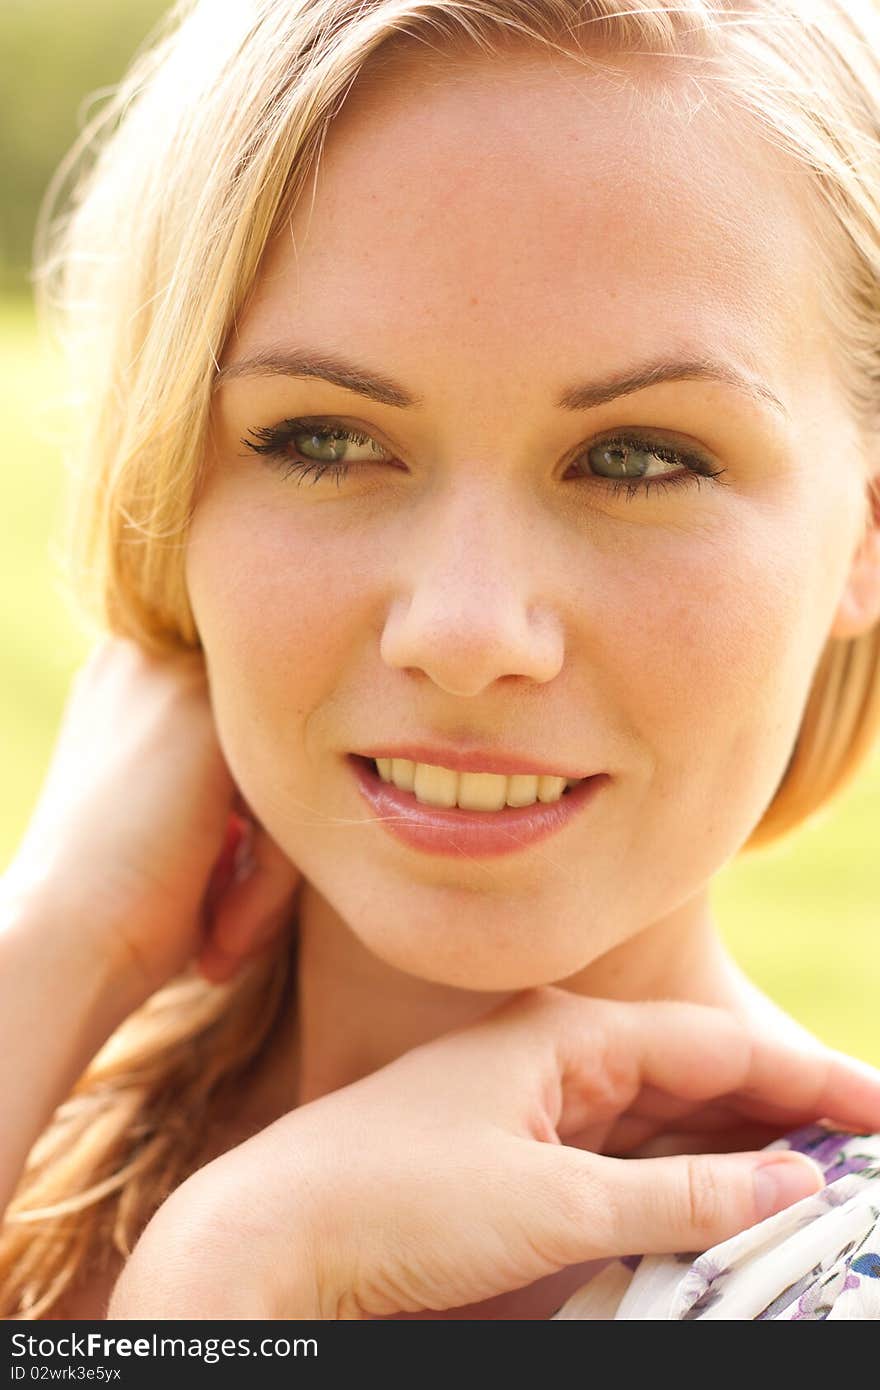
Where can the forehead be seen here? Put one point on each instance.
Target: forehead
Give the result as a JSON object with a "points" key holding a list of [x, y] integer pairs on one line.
{"points": [[524, 203]]}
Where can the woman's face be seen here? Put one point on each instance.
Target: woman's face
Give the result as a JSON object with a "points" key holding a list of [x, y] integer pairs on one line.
{"points": [[500, 240]]}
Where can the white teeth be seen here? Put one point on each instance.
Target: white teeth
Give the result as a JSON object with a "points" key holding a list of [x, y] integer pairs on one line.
{"points": [[550, 788], [482, 791], [403, 774], [435, 786], [522, 790], [471, 791]]}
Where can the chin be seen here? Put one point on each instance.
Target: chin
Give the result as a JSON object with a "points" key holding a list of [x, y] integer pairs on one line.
{"points": [[482, 949]]}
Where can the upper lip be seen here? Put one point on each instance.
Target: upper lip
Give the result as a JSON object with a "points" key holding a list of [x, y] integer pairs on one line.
{"points": [[474, 760]]}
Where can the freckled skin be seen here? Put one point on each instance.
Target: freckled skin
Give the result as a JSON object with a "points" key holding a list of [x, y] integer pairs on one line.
{"points": [[488, 239]]}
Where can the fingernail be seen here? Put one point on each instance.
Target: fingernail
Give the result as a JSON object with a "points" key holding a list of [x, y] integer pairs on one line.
{"points": [[780, 1182], [244, 862], [840, 1127]]}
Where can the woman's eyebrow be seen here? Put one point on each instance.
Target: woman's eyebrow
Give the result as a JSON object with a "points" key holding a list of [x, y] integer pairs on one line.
{"points": [[303, 362]]}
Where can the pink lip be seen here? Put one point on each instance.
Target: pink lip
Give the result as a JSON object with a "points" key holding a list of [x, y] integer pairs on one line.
{"points": [[468, 833], [439, 755]]}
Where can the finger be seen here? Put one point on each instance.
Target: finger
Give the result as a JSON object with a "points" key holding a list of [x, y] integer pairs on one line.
{"points": [[699, 1130], [793, 1086], [671, 1055], [733, 1140], [258, 903], [595, 1207], [215, 966], [588, 1059], [646, 1119], [608, 1053], [224, 871]]}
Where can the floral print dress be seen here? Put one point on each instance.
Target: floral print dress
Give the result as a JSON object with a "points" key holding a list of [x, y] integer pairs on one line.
{"points": [[820, 1258]]}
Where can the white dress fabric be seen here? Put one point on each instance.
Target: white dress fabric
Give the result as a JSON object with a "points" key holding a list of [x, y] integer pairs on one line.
{"points": [[820, 1258]]}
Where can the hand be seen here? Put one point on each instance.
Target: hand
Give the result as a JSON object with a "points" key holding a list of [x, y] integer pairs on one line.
{"points": [[137, 824], [460, 1171]]}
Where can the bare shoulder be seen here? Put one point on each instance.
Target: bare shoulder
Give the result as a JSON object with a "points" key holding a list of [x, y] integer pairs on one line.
{"points": [[88, 1298]]}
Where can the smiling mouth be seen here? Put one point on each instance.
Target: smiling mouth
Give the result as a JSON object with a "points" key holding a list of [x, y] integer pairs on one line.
{"points": [[489, 793], [472, 832]]}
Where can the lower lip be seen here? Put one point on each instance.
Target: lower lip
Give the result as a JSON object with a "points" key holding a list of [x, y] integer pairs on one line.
{"points": [[468, 833]]}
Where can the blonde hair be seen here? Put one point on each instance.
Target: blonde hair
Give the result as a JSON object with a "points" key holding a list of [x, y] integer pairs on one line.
{"points": [[175, 189]]}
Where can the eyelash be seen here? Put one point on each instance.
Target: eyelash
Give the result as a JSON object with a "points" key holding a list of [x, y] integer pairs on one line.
{"points": [[273, 442]]}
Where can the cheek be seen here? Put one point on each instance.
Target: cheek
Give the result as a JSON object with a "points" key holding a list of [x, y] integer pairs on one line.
{"points": [[282, 612], [723, 639]]}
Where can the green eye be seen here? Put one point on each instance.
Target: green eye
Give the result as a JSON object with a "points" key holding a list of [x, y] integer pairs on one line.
{"points": [[324, 448], [311, 448], [617, 460], [332, 446], [630, 456], [625, 462]]}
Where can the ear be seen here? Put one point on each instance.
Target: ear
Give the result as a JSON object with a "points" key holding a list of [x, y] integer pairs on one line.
{"points": [[859, 606]]}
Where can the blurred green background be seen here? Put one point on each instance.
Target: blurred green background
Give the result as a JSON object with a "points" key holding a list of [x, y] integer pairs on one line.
{"points": [[803, 918]]}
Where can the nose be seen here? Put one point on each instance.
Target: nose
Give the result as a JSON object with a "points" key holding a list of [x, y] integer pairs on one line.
{"points": [[471, 601]]}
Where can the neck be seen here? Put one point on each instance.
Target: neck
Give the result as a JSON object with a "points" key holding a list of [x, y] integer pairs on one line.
{"points": [[355, 1014]]}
